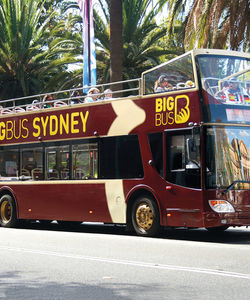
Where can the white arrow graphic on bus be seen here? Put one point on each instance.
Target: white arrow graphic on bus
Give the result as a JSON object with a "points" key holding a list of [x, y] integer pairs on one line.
{"points": [[129, 116]]}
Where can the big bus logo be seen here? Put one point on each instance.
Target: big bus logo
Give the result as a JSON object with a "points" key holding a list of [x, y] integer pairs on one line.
{"points": [[170, 110]]}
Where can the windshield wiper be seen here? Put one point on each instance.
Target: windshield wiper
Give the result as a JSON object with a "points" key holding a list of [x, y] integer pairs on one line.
{"points": [[233, 184]]}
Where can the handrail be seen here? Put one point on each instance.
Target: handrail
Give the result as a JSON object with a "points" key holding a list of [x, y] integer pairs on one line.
{"points": [[14, 105]]}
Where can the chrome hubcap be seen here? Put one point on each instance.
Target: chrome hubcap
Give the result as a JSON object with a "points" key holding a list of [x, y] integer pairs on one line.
{"points": [[144, 216], [6, 211]]}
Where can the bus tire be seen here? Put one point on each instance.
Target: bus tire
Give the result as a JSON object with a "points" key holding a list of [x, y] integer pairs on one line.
{"points": [[145, 217], [217, 229], [8, 215]]}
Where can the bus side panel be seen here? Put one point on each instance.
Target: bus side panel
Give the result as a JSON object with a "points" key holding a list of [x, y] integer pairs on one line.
{"points": [[184, 207], [178, 206], [74, 202]]}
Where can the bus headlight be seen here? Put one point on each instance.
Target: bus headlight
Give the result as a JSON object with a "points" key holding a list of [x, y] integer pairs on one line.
{"points": [[221, 206]]}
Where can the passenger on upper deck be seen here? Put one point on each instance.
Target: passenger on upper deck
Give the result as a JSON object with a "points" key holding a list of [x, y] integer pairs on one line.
{"points": [[233, 87], [162, 84], [76, 98], [108, 94], [46, 100], [92, 95], [247, 88], [223, 93], [235, 92]]}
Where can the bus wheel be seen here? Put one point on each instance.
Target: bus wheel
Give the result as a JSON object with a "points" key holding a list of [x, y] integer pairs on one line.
{"points": [[145, 217], [217, 229], [8, 216]]}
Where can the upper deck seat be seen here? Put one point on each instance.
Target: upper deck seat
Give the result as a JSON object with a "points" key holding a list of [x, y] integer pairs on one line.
{"points": [[18, 109], [59, 104], [53, 175], [65, 174], [6, 111]]}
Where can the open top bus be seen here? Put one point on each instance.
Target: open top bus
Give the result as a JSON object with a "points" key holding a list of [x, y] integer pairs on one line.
{"points": [[156, 155]]}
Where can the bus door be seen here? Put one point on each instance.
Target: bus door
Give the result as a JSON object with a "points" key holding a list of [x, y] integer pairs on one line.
{"points": [[183, 177]]}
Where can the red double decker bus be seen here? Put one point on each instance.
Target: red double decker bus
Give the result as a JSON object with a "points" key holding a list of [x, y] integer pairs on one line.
{"points": [[176, 154]]}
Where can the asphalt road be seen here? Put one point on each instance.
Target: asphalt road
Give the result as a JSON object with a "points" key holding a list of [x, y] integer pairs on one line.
{"points": [[105, 262]]}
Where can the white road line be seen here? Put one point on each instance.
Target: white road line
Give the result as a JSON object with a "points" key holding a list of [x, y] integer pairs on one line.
{"points": [[131, 263]]}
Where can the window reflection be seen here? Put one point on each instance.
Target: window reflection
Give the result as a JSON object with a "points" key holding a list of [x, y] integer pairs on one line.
{"points": [[57, 163], [85, 161], [32, 163], [170, 76], [9, 163], [226, 78], [228, 156]]}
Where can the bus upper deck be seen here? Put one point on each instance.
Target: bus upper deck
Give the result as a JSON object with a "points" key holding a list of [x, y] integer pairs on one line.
{"points": [[222, 77]]}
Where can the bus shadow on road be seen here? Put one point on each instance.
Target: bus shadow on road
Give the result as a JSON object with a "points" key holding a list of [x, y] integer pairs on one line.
{"points": [[230, 236]]}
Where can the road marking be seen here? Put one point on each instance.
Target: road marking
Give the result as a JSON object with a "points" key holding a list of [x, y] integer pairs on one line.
{"points": [[130, 263]]}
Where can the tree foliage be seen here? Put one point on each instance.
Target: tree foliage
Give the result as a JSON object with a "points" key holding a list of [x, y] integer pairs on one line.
{"points": [[217, 24], [39, 39], [29, 60], [141, 35]]}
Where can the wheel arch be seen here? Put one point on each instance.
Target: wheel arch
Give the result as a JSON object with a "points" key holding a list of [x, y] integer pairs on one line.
{"points": [[137, 192], [8, 191]]}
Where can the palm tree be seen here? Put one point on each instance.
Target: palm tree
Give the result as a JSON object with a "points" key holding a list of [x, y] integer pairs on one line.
{"points": [[141, 36], [116, 43], [142, 42], [28, 60], [213, 23]]}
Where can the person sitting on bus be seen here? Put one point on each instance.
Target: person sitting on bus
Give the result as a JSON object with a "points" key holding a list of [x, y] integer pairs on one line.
{"points": [[92, 95], [76, 98], [108, 94], [235, 92], [46, 100], [247, 88], [162, 84], [223, 93]]}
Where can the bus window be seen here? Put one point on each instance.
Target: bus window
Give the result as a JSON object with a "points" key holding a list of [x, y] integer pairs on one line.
{"points": [[57, 162], [9, 163], [227, 157], [183, 159], [120, 157], [85, 161], [156, 146], [173, 72], [32, 163]]}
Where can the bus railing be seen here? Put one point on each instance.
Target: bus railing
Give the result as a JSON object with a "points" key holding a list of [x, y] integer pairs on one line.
{"points": [[66, 97]]}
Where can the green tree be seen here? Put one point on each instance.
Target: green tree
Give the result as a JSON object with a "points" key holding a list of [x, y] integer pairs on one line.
{"points": [[28, 60], [141, 36], [144, 41], [212, 23]]}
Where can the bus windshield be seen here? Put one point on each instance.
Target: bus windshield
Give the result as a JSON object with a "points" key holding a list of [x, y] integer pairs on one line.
{"points": [[228, 157], [226, 87]]}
